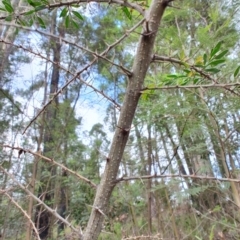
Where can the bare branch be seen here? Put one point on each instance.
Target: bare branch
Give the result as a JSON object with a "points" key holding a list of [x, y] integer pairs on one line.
{"points": [[77, 75], [202, 73], [131, 5], [218, 85], [176, 176], [93, 185]]}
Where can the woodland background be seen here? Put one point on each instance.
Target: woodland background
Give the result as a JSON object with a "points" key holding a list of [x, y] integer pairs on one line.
{"points": [[180, 170]]}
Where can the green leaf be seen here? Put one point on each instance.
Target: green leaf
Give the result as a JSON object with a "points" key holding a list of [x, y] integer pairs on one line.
{"points": [[236, 71], [127, 13], [34, 3], [199, 65], [78, 15], [45, 1], [67, 21], [39, 8], [215, 49], [8, 6], [213, 70], [41, 22], [196, 80], [2, 9], [217, 62], [74, 24], [9, 18], [30, 22], [64, 12], [21, 22], [204, 58], [29, 12], [172, 76], [222, 54], [30, 2]]}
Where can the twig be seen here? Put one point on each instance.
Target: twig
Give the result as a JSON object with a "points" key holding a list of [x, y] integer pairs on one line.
{"points": [[176, 176], [77, 75], [219, 85], [202, 73], [93, 185], [134, 6]]}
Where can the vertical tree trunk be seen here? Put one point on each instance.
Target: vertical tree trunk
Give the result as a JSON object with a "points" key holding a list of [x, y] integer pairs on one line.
{"points": [[36, 159], [143, 170], [140, 66], [149, 181], [44, 220], [221, 148]]}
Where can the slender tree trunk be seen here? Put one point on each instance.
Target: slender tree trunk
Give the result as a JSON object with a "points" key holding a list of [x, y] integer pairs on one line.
{"points": [[140, 66], [143, 170], [221, 147], [36, 159], [44, 219], [149, 181]]}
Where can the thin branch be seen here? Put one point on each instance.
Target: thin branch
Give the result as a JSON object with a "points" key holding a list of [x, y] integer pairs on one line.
{"points": [[176, 176], [23, 211], [22, 150], [177, 147], [77, 75], [64, 40], [202, 73], [53, 212], [134, 6], [219, 85]]}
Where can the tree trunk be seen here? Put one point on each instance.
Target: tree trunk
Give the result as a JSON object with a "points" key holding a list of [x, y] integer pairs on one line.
{"points": [[149, 181], [43, 219], [140, 66]]}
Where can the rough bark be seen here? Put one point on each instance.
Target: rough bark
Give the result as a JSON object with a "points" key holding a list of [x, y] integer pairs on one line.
{"points": [[140, 66]]}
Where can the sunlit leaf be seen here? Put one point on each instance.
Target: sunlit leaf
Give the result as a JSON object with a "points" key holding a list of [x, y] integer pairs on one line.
{"points": [[199, 60]]}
